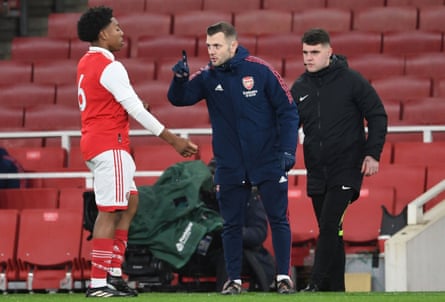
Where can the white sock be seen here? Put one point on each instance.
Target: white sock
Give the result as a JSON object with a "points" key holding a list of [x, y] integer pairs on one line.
{"points": [[115, 271], [282, 277], [238, 281]]}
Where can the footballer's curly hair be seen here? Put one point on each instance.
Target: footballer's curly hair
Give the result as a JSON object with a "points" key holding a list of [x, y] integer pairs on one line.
{"points": [[92, 22]]}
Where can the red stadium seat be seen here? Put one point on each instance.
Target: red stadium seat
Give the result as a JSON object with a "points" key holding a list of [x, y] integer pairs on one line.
{"points": [[231, 6], [364, 43], [385, 19], [172, 6], [27, 94], [414, 2], [407, 42], [419, 153], [71, 198], [64, 182], [139, 69], [293, 67], [375, 66], [408, 181], [194, 23], [439, 87], [63, 25], [361, 225], [425, 64], [55, 72], [259, 22], [402, 87], [393, 109], [30, 49], [8, 237], [174, 117], [13, 72], [282, 45], [331, 19], [66, 94], [433, 177], [153, 92], [45, 252], [153, 24], [157, 157], [166, 47], [40, 158], [292, 5], [431, 18], [52, 117], [120, 7], [29, 198], [425, 111], [354, 4], [75, 159], [11, 117]]}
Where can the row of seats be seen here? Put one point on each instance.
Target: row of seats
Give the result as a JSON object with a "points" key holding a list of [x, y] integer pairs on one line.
{"points": [[374, 66], [35, 248], [172, 6]]}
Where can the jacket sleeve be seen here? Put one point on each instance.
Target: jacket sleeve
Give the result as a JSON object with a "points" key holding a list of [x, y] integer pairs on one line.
{"points": [[184, 92], [377, 120], [286, 111]]}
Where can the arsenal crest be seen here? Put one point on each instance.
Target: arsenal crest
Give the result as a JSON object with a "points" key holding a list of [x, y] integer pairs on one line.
{"points": [[248, 82]]}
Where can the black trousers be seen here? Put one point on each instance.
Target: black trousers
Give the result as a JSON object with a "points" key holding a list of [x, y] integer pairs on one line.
{"points": [[329, 263]]}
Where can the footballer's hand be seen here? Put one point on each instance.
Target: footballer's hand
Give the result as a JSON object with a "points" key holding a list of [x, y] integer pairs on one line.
{"points": [[181, 69], [185, 147]]}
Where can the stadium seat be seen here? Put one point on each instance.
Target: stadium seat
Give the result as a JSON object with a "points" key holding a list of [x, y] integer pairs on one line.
{"points": [[282, 45], [364, 43], [354, 4], [434, 175], [8, 237], [408, 42], [48, 245], [393, 109], [30, 49], [120, 7], [231, 6], [40, 158], [431, 18], [156, 157], [439, 87], [55, 71], [362, 221], [66, 94], [303, 224], [172, 6], [385, 19], [194, 23], [85, 258], [71, 198], [375, 66], [75, 159], [419, 153], [170, 46], [29, 198], [64, 182], [425, 64], [27, 94], [292, 5], [403, 87], [52, 117], [293, 67], [197, 116], [265, 21], [63, 25], [408, 180], [424, 111], [154, 92], [11, 117], [414, 2], [13, 72], [139, 69], [153, 24], [331, 19]]}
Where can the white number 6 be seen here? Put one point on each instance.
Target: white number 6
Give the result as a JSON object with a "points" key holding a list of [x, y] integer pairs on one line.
{"points": [[81, 97]]}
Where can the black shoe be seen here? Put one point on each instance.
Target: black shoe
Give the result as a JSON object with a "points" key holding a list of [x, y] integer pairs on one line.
{"points": [[311, 288], [285, 286], [231, 288], [121, 285], [104, 292]]}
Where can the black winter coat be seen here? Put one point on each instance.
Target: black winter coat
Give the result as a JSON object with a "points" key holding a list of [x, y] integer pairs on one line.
{"points": [[333, 104]]}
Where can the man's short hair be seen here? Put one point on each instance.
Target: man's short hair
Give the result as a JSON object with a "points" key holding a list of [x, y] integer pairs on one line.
{"points": [[92, 22], [222, 27], [316, 36]]}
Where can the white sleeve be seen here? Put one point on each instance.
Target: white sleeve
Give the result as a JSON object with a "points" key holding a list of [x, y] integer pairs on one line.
{"points": [[115, 79]]}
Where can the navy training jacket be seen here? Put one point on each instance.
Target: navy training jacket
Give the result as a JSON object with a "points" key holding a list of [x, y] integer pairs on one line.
{"points": [[253, 115]]}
